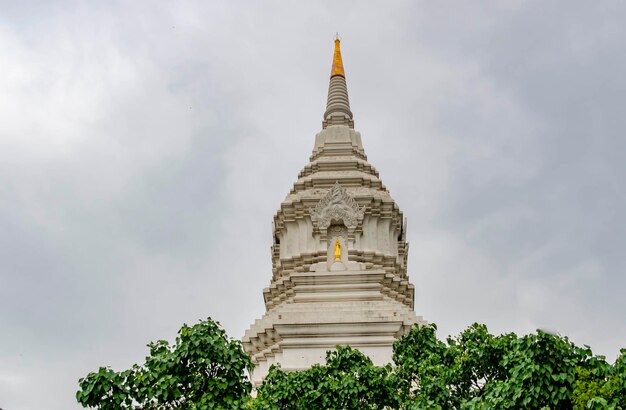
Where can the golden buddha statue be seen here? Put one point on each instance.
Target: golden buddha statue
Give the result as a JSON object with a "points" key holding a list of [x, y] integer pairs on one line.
{"points": [[337, 250]]}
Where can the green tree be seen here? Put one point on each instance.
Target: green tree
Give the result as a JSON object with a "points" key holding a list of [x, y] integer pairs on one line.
{"points": [[474, 371], [600, 385], [434, 374], [478, 370], [540, 374], [348, 381], [202, 370]]}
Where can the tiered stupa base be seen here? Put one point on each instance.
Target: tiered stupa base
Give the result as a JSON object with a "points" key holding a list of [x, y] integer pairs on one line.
{"points": [[367, 310]]}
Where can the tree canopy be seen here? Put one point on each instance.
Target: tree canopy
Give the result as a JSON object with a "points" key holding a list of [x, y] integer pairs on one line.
{"points": [[478, 370], [475, 370], [202, 370], [348, 380]]}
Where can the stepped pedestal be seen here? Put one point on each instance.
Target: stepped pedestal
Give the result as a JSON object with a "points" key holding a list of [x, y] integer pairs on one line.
{"points": [[365, 309]]}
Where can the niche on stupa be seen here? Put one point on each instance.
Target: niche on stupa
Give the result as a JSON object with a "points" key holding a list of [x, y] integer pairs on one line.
{"points": [[337, 247]]}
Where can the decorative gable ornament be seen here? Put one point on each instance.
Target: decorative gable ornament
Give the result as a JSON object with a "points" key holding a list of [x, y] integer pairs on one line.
{"points": [[337, 206]]}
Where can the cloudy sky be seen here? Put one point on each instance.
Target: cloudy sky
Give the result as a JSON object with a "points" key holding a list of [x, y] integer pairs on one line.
{"points": [[144, 147]]}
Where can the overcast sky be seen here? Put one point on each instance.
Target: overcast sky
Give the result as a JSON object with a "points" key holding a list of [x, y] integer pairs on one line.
{"points": [[144, 148]]}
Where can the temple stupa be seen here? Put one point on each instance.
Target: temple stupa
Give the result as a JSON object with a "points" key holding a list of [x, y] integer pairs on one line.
{"points": [[339, 255]]}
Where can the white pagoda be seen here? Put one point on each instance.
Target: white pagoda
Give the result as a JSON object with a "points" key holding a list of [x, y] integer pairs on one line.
{"points": [[339, 255]]}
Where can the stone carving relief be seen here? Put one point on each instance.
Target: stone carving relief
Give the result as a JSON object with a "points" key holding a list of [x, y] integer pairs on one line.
{"points": [[337, 205], [338, 231]]}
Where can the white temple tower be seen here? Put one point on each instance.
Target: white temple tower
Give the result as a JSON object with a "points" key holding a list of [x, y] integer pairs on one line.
{"points": [[339, 255]]}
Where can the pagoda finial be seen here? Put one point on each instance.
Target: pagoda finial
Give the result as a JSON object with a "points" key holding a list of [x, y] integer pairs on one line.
{"points": [[337, 68], [337, 106]]}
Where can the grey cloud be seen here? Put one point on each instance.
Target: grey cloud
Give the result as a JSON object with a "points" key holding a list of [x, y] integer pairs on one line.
{"points": [[145, 147]]}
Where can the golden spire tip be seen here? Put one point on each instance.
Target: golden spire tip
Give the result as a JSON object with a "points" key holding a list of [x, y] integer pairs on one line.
{"points": [[337, 68]]}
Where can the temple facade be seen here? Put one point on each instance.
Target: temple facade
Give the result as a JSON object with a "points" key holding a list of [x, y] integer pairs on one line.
{"points": [[339, 255]]}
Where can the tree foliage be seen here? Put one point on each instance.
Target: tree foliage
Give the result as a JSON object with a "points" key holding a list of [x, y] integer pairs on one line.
{"points": [[202, 370], [348, 381], [600, 385], [434, 374], [474, 371], [478, 370]]}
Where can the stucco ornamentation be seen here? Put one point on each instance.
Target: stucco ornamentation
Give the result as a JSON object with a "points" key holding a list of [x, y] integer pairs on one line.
{"points": [[337, 205], [338, 231]]}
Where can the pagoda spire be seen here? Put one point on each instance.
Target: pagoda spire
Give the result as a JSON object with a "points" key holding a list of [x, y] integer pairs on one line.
{"points": [[338, 105]]}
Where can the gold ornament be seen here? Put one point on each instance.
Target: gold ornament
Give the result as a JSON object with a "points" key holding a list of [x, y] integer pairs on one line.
{"points": [[337, 250]]}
